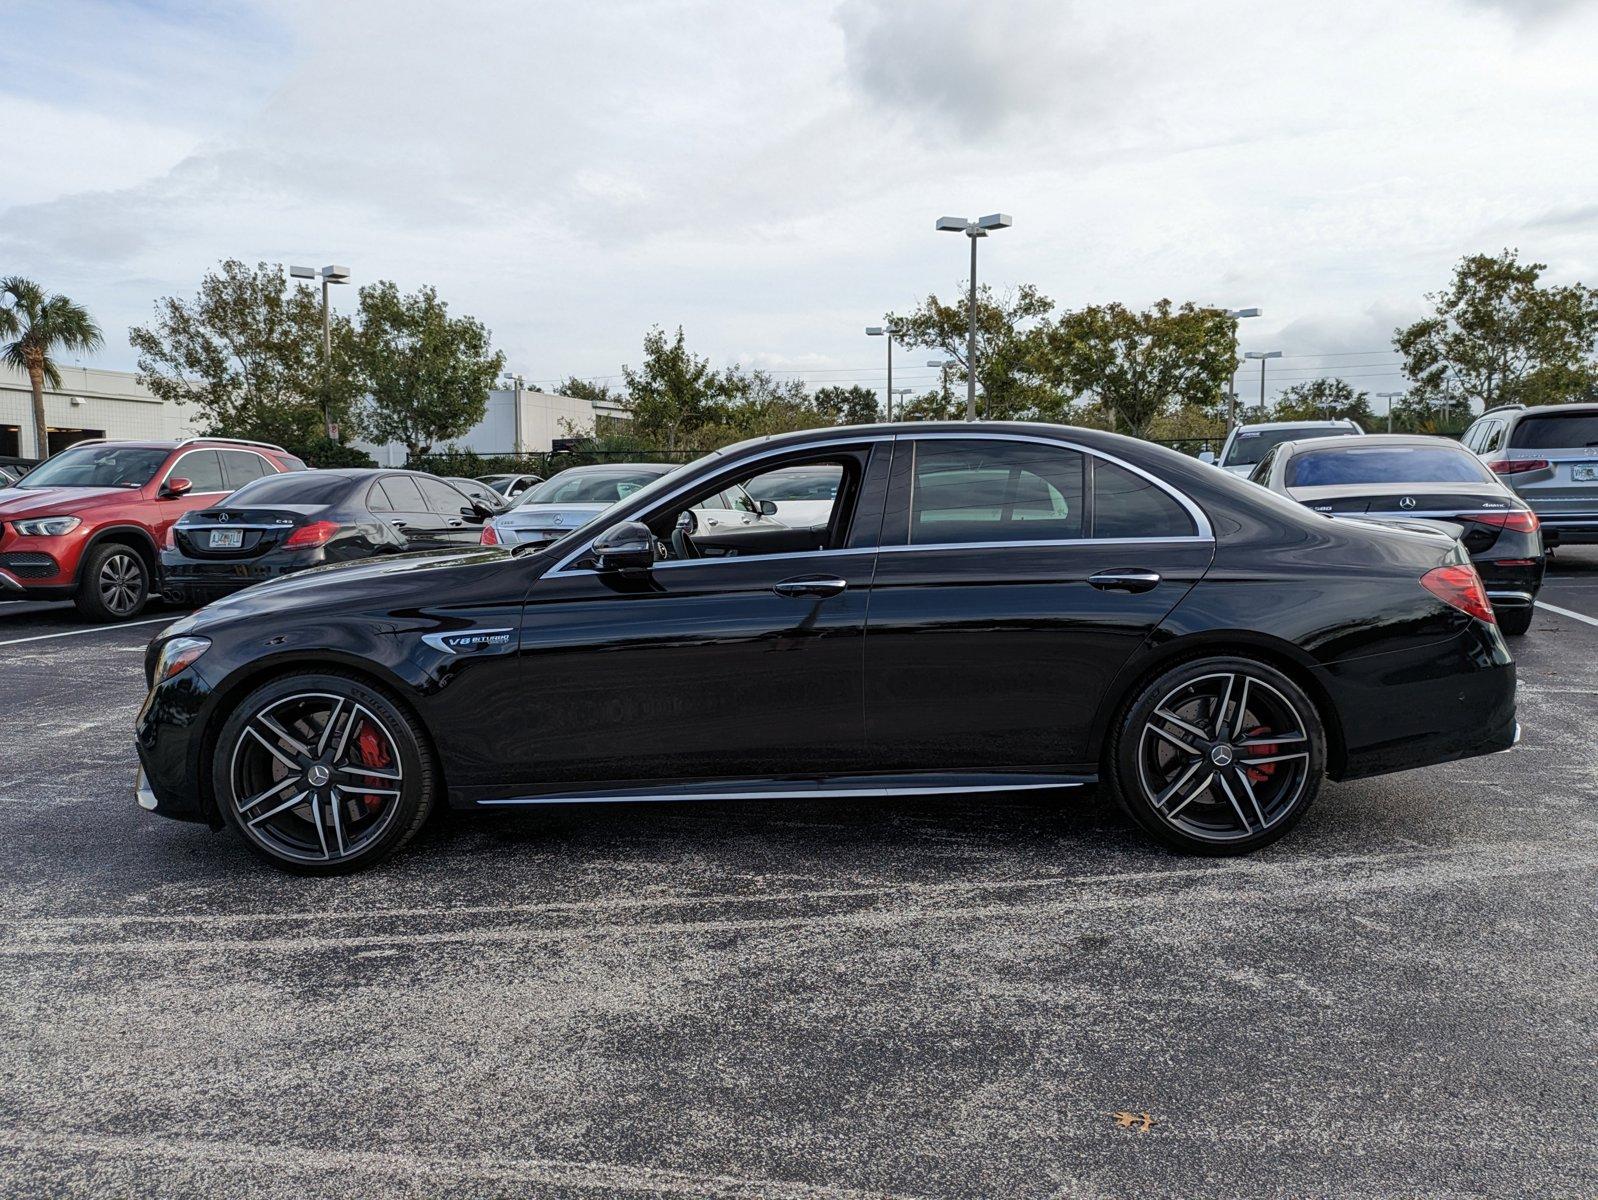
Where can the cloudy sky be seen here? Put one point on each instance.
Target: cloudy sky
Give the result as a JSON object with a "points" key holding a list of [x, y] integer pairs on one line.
{"points": [[767, 174]]}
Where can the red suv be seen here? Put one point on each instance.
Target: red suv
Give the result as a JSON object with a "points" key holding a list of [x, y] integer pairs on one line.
{"points": [[88, 523]]}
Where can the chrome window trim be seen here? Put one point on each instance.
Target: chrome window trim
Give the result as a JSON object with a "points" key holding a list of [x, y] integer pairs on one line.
{"points": [[1205, 532], [172, 470]]}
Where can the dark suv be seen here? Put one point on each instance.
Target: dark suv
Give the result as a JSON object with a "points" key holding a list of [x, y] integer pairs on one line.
{"points": [[87, 524]]}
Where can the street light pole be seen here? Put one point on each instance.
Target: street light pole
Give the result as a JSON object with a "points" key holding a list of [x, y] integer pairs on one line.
{"points": [[885, 331], [1231, 396], [1389, 397], [973, 230], [330, 275], [1262, 355]]}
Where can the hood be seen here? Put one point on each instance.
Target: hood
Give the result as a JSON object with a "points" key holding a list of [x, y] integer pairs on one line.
{"points": [[338, 586], [50, 501]]}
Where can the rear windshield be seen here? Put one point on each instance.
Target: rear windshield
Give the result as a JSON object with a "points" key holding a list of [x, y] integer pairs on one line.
{"points": [[1556, 431], [1251, 445], [1385, 464], [297, 487]]}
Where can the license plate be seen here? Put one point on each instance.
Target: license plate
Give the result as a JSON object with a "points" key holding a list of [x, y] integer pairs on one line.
{"points": [[227, 539], [1584, 473]]}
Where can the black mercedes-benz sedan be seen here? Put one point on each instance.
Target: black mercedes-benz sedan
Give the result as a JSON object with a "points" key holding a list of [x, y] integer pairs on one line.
{"points": [[287, 523], [1418, 479], [987, 607]]}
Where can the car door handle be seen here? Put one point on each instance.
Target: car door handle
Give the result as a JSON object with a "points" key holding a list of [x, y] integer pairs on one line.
{"points": [[456, 523], [1125, 579], [397, 523], [810, 586]]}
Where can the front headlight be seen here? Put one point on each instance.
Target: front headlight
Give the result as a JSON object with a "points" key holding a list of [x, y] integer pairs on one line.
{"points": [[176, 654], [46, 526]]}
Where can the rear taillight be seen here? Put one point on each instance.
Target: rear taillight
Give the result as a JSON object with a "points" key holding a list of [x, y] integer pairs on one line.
{"points": [[489, 537], [1514, 466], [1460, 586], [1522, 521], [317, 533]]}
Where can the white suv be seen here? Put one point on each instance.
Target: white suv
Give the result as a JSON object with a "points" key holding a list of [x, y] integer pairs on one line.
{"points": [[1247, 444]]}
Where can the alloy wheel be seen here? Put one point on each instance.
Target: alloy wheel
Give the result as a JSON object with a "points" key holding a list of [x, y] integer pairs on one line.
{"points": [[316, 777], [1223, 757], [121, 583]]}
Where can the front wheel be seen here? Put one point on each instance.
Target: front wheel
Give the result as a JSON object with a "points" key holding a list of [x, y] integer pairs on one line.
{"points": [[1218, 756], [323, 774], [114, 584]]}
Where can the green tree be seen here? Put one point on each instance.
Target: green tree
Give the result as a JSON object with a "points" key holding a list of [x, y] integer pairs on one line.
{"points": [[1496, 337], [847, 405], [34, 325], [1012, 372], [426, 374], [587, 389], [673, 392], [247, 353], [1324, 400], [1138, 365]]}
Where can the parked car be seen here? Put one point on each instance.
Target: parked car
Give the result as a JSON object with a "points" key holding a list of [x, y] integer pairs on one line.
{"points": [[1549, 456], [579, 494], [9, 476], [86, 525], [1247, 444], [802, 496], [511, 486], [479, 493], [287, 523], [1404, 477], [1206, 649]]}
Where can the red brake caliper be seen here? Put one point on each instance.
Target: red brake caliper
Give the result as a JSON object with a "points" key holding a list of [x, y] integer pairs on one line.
{"points": [[1264, 771], [370, 752]]}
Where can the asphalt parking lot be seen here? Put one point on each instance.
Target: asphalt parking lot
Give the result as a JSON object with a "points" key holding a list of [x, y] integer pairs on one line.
{"points": [[950, 998]]}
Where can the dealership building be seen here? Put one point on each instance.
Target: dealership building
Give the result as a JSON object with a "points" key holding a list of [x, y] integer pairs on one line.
{"points": [[112, 404]]}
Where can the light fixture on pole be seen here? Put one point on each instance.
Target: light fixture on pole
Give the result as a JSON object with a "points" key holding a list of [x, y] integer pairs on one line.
{"points": [[1262, 355], [973, 230], [897, 392], [1389, 397], [329, 275], [944, 365], [885, 331], [1231, 397]]}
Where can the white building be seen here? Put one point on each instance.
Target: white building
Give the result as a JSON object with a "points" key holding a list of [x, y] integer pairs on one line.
{"points": [[112, 404]]}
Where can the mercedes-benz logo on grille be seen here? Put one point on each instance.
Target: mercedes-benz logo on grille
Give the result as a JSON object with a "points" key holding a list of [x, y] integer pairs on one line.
{"points": [[221, 516], [1407, 502], [557, 519]]}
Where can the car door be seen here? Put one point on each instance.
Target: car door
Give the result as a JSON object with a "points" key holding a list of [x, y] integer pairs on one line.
{"points": [[736, 667], [422, 528], [1016, 578], [461, 526]]}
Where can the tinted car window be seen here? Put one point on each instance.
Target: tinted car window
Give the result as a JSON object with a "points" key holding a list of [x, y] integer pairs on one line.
{"points": [[441, 498], [97, 466], [377, 499], [296, 487], [1386, 464], [239, 467], [1126, 505], [989, 491], [203, 469], [403, 494], [1250, 445], [588, 487], [1555, 431]]}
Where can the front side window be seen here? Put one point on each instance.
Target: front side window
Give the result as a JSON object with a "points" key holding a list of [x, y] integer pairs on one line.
{"points": [[993, 491], [1126, 505], [97, 467], [442, 499]]}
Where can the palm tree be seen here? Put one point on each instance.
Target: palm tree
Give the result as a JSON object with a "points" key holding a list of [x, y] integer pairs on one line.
{"points": [[35, 325]]}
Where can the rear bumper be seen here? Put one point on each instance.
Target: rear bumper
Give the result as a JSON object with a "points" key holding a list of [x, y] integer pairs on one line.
{"points": [[1560, 524], [1433, 704], [194, 579]]}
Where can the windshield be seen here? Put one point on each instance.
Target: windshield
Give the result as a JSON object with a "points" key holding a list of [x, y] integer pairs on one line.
{"points": [[1556, 431], [97, 466], [581, 486], [1386, 464], [797, 483], [1251, 445]]}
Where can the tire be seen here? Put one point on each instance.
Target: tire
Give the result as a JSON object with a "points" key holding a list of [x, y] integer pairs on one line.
{"points": [[340, 818], [1515, 622], [114, 583], [1225, 795]]}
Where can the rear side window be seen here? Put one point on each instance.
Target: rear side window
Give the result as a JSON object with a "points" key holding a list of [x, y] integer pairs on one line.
{"points": [[1556, 431], [1126, 505], [203, 469], [239, 467], [992, 491]]}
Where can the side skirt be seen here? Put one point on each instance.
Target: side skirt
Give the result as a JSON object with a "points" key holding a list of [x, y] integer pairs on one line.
{"points": [[875, 787]]}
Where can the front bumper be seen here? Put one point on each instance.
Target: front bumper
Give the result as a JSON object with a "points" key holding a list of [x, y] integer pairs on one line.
{"points": [[173, 780]]}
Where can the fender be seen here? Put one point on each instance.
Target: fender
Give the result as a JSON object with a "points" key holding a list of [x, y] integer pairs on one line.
{"points": [[135, 533]]}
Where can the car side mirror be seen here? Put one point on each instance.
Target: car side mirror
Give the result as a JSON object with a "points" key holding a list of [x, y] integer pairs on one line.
{"points": [[476, 511], [177, 487], [629, 546], [768, 508], [1207, 457]]}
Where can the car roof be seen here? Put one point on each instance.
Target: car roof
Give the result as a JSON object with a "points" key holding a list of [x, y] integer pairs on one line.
{"points": [[1338, 423], [660, 468], [1373, 441]]}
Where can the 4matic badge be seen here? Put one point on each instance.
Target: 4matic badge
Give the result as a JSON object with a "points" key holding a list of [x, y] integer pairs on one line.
{"points": [[467, 640]]}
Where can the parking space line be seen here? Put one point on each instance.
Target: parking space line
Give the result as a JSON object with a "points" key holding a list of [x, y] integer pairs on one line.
{"points": [[1565, 612], [40, 637]]}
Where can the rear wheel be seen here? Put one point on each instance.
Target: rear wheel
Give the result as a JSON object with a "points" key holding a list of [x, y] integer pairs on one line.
{"points": [[1515, 621], [1218, 756], [323, 774], [114, 584]]}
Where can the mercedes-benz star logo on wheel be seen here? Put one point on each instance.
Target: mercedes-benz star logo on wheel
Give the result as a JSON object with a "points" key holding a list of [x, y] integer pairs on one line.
{"points": [[1221, 756], [318, 776], [1407, 502]]}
